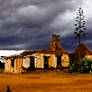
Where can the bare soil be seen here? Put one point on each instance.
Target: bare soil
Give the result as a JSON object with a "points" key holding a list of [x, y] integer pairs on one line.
{"points": [[46, 81]]}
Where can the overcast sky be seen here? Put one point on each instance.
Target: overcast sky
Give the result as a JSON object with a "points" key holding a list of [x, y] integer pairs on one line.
{"points": [[29, 24]]}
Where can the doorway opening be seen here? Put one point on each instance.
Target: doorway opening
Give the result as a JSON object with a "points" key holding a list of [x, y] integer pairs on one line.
{"points": [[32, 66], [58, 61], [12, 62], [46, 62]]}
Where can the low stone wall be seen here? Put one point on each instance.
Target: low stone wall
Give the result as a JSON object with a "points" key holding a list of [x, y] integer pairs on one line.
{"points": [[88, 57]]}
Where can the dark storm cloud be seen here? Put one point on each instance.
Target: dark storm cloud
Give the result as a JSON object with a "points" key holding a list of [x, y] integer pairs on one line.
{"points": [[30, 23]]}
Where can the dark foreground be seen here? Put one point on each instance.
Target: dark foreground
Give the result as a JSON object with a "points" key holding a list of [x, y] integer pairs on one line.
{"points": [[51, 81]]}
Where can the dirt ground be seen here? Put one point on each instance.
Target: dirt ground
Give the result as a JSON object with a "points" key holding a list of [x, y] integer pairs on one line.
{"points": [[46, 81]]}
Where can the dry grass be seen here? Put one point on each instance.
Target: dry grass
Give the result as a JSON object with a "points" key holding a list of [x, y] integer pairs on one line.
{"points": [[51, 81]]}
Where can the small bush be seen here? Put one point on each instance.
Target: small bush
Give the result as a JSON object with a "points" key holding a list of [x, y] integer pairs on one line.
{"points": [[86, 65], [74, 67]]}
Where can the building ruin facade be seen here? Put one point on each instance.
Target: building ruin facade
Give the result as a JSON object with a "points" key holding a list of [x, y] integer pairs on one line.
{"points": [[54, 57]]}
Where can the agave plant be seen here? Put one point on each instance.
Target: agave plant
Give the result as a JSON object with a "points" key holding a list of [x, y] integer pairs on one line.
{"points": [[86, 65]]}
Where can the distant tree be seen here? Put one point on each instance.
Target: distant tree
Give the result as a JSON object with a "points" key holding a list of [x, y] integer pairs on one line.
{"points": [[80, 25], [80, 29]]}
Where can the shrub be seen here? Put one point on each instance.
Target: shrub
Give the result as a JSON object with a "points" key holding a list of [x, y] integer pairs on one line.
{"points": [[74, 67], [86, 65]]}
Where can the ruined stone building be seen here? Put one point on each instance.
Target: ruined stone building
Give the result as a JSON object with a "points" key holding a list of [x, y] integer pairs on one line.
{"points": [[54, 57]]}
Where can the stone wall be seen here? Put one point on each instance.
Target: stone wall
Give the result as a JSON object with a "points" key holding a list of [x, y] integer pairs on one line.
{"points": [[88, 57], [65, 60], [16, 69], [53, 61], [8, 67], [18, 65], [39, 60], [26, 62]]}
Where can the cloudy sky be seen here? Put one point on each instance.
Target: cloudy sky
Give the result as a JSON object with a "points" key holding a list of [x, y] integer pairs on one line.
{"points": [[29, 24]]}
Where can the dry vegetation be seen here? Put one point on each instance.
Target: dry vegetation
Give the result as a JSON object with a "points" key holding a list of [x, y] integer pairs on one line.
{"points": [[51, 81]]}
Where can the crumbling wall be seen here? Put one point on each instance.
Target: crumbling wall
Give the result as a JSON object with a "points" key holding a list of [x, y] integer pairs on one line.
{"points": [[26, 62], [18, 65], [65, 60], [39, 61], [53, 61], [88, 57], [8, 67]]}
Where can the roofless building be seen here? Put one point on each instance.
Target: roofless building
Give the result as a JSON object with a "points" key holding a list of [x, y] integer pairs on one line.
{"points": [[54, 57]]}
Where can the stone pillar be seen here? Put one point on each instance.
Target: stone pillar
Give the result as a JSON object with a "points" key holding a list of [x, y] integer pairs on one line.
{"points": [[26, 62], [39, 61], [52, 61], [65, 60], [18, 65], [8, 67]]}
